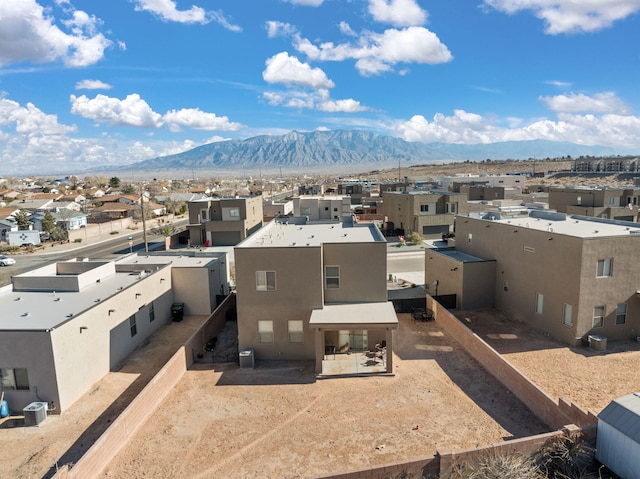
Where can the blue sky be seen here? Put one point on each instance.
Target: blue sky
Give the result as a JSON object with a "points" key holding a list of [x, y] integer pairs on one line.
{"points": [[86, 83]]}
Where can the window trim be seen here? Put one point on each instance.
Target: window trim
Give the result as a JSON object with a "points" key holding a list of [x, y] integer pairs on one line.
{"points": [[234, 212], [566, 306], [133, 326], [601, 317], [265, 336], [332, 277], [17, 383], [539, 303], [606, 271], [293, 333], [623, 315], [264, 285]]}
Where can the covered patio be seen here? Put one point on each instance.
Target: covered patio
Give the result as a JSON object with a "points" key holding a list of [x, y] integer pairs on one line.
{"points": [[354, 338]]}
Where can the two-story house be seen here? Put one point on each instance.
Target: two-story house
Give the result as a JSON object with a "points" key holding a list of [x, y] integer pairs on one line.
{"points": [[316, 208], [305, 290], [224, 221], [572, 276], [430, 213], [611, 203]]}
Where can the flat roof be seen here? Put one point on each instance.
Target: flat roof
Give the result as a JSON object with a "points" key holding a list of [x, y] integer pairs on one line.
{"points": [[46, 310], [578, 226], [278, 234], [457, 255], [378, 314]]}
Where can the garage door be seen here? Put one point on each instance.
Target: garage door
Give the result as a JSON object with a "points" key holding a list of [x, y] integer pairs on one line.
{"points": [[225, 238], [433, 232]]}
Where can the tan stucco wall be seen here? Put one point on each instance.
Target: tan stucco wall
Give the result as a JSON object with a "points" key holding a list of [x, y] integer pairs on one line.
{"points": [[299, 289], [363, 271]]}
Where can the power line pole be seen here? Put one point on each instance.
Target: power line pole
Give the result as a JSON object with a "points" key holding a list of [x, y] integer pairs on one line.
{"points": [[144, 224]]}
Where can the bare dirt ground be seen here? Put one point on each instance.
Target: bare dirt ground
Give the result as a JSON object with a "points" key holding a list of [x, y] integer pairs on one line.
{"points": [[581, 375], [33, 452], [277, 421]]}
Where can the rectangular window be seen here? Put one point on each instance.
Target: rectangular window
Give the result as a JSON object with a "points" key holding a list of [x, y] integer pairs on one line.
{"points": [[539, 302], [204, 216], [567, 312], [598, 316], [296, 334], [332, 276], [265, 331], [132, 325], [605, 268], [152, 313], [265, 280], [469, 237], [424, 208], [15, 379], [451, 207], [305, 211], [612, 201], [621, 313], [234, 212]]}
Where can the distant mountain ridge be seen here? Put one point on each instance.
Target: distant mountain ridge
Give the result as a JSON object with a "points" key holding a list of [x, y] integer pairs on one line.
{"points": [[326, 150]]}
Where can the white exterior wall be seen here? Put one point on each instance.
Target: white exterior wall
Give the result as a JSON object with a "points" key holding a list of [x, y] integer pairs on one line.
{"points": [[617, 451]]}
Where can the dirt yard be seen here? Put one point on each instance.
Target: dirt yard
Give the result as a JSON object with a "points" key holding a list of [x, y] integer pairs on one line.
{"points": [[278, 422], [581, 375]]}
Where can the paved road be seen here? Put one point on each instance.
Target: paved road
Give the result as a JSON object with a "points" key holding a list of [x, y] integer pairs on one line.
{"points": [[108, 248]]}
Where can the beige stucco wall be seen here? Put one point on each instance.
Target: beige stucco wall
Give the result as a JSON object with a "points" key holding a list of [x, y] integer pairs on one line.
{"points": [[299, 289], [363, 271]]}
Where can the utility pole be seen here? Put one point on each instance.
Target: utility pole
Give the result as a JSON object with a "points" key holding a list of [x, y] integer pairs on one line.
{"points": [[144, 224]]}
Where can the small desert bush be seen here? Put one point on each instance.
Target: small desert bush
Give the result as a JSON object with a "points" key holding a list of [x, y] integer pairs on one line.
{"points": [[498, 466]]}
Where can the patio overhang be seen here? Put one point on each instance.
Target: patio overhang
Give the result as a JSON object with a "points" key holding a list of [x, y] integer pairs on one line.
{"points": [[355, 316]]}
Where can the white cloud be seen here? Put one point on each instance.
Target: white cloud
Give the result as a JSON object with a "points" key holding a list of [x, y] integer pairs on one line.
{"points": [[621, 131], [282, 68], [399, 13], [606, 102], [92, 85], [379, 52], [346, 29], [348, 106], [167, 11], [306, 3], [279, 29], [30, 120], [318, 100], [561, 84], [132, 111], [28, 33], [198, 120], [571, 16]]}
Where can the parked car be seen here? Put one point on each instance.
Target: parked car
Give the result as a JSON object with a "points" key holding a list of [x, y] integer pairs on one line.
{"points": [[6, 261]]}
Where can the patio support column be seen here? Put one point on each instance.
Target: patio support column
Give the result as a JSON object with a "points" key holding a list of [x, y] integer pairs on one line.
{"points": [[389, 339], [319, 348]]}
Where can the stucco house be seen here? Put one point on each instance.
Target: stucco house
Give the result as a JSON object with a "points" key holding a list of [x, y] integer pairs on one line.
{"points": [[308, 290]]}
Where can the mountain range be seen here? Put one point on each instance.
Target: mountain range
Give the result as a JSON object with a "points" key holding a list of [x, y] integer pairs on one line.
{"points": [[350, 150]]}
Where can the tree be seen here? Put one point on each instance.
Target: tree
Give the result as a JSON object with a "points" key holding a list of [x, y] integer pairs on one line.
{"points": [[23, 220], [129, 189], [49, 224], [114, 182]]}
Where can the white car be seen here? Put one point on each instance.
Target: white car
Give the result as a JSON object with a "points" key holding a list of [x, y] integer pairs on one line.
{"points": [[6, 261]]}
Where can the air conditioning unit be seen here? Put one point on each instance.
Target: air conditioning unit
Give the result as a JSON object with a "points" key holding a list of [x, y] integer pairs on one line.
{"points": [[35, 413], [597, 342], [247, 359]]}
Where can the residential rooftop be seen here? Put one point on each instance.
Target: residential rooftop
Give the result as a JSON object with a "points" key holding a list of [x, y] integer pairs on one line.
{"points": [[575, 225], [296, 232], [47, 297]]}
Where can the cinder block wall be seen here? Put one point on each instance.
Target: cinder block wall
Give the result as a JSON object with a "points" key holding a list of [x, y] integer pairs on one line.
{"points": [[556, 414]]}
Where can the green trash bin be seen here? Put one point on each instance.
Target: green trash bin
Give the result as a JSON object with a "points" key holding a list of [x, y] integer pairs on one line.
{"points": [[177, 311]]}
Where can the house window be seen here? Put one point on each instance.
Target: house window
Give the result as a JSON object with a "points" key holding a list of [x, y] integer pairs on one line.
{"points": [[621, 313], [265, 280], [296, 334], [612, 201], [567, 311], [326, 208], [451, 207], [152, 313], [469, 237], [234, 212], [133, 326], [204, 216], [305, 211], [424, 208], [539, 302], [598, 316], [332, 276], [579, 200], [335, 209], [14, 379], [265, 331], [605, 268]]}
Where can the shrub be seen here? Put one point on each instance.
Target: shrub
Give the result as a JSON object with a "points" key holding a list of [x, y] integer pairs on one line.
{"points": [[114, 232], [77, 240]]}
